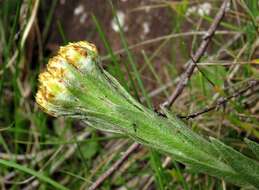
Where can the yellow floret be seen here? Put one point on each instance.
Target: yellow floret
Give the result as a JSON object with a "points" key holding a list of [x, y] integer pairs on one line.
{"points": [[76, 53], [56, 79]]}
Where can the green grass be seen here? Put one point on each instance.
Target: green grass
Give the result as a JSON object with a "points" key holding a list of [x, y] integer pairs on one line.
{"points": [[78, 154], [39, 175]]}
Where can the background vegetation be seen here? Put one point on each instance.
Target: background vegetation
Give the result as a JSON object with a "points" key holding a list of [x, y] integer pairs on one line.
{"points": [[146, 54]]}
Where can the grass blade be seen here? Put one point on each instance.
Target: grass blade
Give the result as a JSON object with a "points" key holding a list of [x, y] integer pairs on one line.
{"points": [[39, 175]]}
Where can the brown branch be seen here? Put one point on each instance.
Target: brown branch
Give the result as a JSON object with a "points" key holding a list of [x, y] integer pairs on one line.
{"points": [[184, 78], [114, 167], [222, 101]]}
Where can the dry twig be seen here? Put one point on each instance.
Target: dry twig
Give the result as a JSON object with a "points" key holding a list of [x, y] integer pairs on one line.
{"points": [[197, 56], [222, 101], [114, 167]]}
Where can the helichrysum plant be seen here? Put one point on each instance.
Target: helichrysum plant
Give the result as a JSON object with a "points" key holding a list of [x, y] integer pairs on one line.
{"points": [[74, 85]]}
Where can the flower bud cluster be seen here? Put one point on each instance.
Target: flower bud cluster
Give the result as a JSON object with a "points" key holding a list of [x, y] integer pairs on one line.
{"points": [[54, 95]]}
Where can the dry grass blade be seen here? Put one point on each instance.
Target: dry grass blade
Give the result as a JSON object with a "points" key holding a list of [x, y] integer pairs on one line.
{"points": [[114, 167]]}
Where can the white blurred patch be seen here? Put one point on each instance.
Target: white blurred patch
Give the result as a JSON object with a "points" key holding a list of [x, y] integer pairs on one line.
{"points": [[191, 10], [146, 27], [83, 18], [78, 10], [202, 9], [121, 19]]}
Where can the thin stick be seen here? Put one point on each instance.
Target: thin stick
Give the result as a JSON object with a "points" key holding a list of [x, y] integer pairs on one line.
{"points": [[184, 78], [168, 36], [223, 101], [114, 167]]}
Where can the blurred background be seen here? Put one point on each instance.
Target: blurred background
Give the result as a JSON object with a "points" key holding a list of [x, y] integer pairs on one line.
{"points": [[152, 42]]}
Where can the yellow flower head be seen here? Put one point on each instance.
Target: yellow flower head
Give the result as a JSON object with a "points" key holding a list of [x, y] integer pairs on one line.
{"points": [[81, 55], [53, 90]]}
